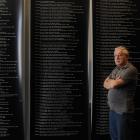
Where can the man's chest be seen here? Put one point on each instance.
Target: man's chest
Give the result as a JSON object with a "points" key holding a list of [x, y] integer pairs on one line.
{"points": [[117, 73]]}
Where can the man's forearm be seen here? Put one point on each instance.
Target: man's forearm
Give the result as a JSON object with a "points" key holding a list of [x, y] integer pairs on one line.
{"points": [[111, 83], [108, 84]]}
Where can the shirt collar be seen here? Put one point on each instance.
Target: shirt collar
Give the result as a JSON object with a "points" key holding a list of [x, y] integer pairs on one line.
{"points": [[124, 67]]}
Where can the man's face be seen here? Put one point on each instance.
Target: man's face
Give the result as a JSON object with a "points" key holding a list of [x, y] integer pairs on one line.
{"points": [[120, 58]]}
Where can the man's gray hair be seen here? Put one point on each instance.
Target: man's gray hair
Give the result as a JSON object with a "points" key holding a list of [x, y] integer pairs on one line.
{"points": [[124, 50]]}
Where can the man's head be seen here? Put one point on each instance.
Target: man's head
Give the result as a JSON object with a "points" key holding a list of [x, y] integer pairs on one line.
{"points": [[121, 56]]}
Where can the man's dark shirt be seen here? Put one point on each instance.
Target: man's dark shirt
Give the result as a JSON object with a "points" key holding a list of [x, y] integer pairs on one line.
{"points": [[120, 99]]}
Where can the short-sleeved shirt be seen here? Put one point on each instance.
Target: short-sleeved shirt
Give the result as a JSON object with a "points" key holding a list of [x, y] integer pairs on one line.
{"points": [[121, 99]]}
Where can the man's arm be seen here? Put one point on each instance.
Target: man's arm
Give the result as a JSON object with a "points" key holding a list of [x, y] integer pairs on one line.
{"points": [[111, 83]]}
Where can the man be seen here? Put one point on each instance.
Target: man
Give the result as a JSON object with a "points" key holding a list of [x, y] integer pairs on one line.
{"points": [[121, 86]]}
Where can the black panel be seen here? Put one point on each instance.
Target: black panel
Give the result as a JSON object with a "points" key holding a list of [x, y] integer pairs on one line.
{"points": [[116, 22], [11, 124], [59, 83]]}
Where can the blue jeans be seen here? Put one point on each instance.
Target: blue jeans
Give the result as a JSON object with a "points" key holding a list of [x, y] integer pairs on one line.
{"points": [[120, 126]]}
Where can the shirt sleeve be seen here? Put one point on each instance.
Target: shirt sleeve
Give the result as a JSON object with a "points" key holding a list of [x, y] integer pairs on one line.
{"points": [[112, 75], [129, 75]]}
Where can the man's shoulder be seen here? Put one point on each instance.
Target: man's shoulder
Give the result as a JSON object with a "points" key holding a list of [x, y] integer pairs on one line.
{"points": [[131, 67], [129, 72]]}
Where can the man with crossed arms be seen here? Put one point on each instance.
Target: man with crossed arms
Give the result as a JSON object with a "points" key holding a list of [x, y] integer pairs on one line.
{"points": [[121, 86]]}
